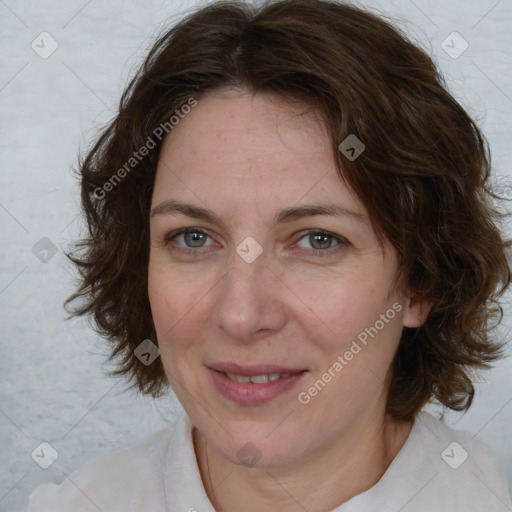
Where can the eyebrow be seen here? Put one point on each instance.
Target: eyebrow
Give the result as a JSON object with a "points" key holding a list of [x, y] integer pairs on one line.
{"points": [[280, 217]]}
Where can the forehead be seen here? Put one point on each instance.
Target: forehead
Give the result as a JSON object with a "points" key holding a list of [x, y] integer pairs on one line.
{"points": [[255, 147]]}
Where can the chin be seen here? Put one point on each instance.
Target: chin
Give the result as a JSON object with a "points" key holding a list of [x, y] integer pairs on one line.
{"points": [[258, 452]]}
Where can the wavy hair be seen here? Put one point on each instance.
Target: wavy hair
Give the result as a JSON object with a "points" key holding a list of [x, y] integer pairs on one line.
{"points": [[423, 179]]}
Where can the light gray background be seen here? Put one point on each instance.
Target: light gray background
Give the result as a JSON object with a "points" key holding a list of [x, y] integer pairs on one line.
{"points": [[53, 387]]}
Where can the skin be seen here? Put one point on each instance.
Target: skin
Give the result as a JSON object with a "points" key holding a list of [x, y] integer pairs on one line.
{"points": [[244, 156]]}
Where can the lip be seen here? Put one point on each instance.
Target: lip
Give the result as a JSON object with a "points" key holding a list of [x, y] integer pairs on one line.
{"points": [[248, 393]]}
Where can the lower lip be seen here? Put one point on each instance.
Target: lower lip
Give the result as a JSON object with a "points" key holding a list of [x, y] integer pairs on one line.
{"points": [[248, 393]]}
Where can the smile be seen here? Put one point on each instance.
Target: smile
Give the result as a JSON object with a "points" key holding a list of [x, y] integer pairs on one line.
{"points": [[253, 386], [257, 379]]}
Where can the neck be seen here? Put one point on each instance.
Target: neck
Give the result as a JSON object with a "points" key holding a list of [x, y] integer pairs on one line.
{"points": [[319, 482]]}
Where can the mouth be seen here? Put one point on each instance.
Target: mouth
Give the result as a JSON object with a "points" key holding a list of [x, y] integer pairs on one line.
{"points": [[254, 370], [257, 379], [254, 385]]}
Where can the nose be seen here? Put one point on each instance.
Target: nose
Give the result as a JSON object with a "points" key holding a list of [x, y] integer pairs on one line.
{"points": [[249, 301]]}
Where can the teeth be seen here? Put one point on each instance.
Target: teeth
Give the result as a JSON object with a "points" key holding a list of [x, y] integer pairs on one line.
{"points": [[257, 379], [239, 378], [260, 379]]}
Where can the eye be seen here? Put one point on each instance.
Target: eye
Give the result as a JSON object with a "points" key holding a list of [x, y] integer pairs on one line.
{"points": [[192, 240], [321, 242], [189, 239]]}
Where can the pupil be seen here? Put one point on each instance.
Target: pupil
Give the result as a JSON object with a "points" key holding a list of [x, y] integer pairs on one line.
{"points": [[320, 241], [194, 239]]}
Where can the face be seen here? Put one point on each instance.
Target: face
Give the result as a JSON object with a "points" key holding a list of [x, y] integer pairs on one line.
{"points": [[263, 262]]}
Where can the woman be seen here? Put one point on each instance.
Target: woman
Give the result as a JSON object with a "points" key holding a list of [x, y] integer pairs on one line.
{"points": [[290, 226]]}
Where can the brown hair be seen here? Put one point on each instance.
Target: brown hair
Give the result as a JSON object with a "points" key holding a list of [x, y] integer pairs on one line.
{"points": [[423, 178]]}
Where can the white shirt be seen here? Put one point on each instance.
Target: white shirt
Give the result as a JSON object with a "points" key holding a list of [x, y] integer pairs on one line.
{"points": [[438, 469]]}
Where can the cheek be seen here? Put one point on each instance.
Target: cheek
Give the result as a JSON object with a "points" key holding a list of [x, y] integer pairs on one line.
{"points": [[175, 302], [354, 316], [344, 306], [177, 316]]}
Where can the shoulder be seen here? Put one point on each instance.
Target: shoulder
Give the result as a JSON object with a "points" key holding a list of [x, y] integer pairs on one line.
{"points": [[458, 447], [438, 468], [127, 479], [459, 469]]}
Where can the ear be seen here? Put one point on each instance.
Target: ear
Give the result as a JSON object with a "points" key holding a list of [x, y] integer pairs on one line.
{"points": [[416, 312]]}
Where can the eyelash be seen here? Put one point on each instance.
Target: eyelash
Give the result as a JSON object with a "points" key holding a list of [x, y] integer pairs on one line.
{"points": [[341, 242]]}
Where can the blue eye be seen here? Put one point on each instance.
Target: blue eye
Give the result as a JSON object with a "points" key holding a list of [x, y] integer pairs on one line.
{"points": [[321, 242], [314, 242], [190, 238]]}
